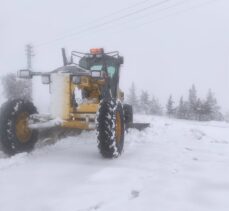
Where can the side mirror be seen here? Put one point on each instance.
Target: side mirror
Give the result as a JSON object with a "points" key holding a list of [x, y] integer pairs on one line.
{"points": [[121, 59], [26, 74]]}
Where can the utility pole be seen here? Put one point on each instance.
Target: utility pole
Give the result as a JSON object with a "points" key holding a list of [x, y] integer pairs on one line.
{"points": [[28, 84], [29, 55]]}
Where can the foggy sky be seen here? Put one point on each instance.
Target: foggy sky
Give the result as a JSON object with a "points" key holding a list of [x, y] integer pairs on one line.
{"points": [[163, 57]]}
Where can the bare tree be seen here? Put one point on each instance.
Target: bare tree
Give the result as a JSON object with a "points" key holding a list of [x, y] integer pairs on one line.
{"points": [[15, 88]]}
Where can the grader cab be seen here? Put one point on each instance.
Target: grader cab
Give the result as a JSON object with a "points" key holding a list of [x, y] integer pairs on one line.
{"points": [[84, 95]]}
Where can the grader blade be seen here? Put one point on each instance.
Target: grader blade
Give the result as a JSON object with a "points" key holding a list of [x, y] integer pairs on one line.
{"points": [[138, 126]]}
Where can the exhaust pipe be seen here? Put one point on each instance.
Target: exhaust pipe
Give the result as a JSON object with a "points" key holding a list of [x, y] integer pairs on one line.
{"points": [[65, 61]]}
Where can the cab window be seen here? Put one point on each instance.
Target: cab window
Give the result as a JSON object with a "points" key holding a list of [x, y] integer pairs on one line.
{"points": [[111, 71]]}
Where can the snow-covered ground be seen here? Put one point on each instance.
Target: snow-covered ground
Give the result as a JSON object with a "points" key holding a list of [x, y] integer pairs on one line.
{"points": [[174, 165]]}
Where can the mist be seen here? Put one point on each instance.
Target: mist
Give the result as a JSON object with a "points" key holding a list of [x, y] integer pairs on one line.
{"points": [[166, 48], [164, 147]]}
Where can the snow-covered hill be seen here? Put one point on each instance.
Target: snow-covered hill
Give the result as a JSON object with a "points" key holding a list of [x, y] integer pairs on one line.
{"points": [[173, 165]]}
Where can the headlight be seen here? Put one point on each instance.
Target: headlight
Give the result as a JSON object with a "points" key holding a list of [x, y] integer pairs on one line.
{"points": [[45, 79], [76, 79], [96, 74], [25, 74]]}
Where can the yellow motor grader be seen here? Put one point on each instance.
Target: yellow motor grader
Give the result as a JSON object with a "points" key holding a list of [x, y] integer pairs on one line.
{"points": [[84, 95]]}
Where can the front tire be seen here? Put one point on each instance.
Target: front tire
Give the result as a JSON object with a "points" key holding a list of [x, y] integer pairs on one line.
{"points": [[110, 128], [15, 136]]}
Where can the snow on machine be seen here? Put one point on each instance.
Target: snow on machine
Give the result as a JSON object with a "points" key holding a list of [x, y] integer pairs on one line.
{"points": [[84, 95]]}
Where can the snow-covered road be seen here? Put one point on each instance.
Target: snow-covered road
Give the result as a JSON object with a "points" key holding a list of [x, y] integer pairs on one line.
{"points": [[174, 165]]}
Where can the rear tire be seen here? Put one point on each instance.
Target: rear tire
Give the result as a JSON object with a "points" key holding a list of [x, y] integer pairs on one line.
{"points": [[110, 128], [15, 136]]}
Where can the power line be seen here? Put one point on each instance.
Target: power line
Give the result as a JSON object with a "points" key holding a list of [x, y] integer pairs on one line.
{"points": [[121, 10], [176, 4], [103, 17], [99, 19], [169, 15], [157, 4], [182, 11], [136, 12]]}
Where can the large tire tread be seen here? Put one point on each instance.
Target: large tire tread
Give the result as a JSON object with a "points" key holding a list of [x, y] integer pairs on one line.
{"points": [[8, 114], [106, 129]]}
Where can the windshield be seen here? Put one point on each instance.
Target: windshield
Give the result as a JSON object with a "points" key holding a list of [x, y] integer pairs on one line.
{"points": [[96, 67], [110, 69]]}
